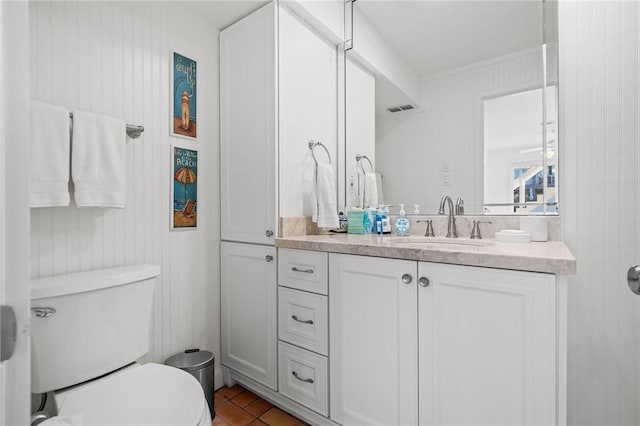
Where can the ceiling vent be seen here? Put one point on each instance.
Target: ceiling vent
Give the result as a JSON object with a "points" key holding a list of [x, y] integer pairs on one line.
{"points": [[400, 108]]}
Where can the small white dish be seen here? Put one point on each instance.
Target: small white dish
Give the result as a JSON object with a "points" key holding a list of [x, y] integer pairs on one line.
{"points": [[513, 236]]}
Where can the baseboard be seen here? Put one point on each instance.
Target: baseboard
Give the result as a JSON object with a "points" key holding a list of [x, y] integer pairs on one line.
{"points": [[218, 381]]}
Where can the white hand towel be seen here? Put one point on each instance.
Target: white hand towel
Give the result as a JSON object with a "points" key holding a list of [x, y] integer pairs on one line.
{"points": [[370, 190], [379, 188], [50, 152], [327, 211], [98, 160]]}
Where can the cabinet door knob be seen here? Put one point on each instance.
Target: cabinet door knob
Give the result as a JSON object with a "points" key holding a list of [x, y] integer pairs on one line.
{"points": [[424, 282], [268, 233], [268, 258], [406, 278]]}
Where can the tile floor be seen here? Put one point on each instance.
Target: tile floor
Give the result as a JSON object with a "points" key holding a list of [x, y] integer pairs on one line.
{"points": [[237, 406]]}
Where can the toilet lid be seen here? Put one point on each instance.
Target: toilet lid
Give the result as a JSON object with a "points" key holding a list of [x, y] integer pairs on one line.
{"points": [[151, 394]]}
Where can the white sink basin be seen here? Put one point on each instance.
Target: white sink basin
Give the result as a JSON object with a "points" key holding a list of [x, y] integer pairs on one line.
{"points": [[442, 243]]}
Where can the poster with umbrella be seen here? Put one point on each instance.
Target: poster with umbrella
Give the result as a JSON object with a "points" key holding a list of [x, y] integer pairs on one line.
{"points": [[184, 188]]}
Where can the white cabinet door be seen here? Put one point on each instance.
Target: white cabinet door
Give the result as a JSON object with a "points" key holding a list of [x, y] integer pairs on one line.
{"points": [[373, 341], [248, 303], [487, 346], [248, 118]]}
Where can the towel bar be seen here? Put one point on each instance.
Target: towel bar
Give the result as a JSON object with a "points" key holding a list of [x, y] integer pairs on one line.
{"points": [[313, 144], [360, 157], [133, 131]]}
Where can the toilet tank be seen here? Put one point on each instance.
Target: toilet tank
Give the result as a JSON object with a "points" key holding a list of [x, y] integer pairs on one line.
{"points": [[88, 324]]}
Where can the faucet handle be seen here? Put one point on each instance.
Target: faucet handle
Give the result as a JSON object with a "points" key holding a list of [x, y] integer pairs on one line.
{"points": [[429, 232], [429, 229], [475, 232]]}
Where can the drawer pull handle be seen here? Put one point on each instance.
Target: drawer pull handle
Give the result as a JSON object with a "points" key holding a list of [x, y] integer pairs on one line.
{"points": [[301, 379], [43, 312], [306, 271], [295, 318]]}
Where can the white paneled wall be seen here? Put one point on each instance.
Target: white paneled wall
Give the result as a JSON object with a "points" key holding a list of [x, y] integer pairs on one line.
{"points": [[113, 58], [448, 129], [600, 206]]}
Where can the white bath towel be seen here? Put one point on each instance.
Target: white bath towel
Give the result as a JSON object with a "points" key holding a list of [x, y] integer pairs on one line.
{"points": [[370, 190], [98, 160], [326, 214], [50, 152]]}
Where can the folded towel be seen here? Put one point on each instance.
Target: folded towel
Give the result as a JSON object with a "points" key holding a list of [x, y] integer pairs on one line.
{"points": [[50, 152], [98, 160], [327, 205], [370, 190]]}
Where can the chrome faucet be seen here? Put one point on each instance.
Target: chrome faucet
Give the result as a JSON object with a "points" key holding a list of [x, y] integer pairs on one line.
{"points": [[451, 225]]}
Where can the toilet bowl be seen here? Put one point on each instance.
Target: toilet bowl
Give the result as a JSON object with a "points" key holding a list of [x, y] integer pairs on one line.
{"points": [[87, 331]]}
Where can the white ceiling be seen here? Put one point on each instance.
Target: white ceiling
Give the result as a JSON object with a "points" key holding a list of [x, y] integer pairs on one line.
{"points": [[435, 36], [221, 13]]}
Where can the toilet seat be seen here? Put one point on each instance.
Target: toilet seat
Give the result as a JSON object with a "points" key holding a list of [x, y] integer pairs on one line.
{"points": [[150, 394]]}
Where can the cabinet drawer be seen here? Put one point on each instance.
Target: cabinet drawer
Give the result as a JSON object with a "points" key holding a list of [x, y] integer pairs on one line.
{"points": [[304, 377], [303, 319], [304, 270]]}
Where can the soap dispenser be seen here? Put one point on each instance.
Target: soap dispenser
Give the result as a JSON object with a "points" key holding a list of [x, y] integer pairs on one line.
{"points": [[383, 225], [402, 223]]}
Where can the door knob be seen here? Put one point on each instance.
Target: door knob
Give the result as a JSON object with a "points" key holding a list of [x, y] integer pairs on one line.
{"points": [[268, 233], [268, 258], [8, 332], [424, 282], [633, 279], [406, 278]]}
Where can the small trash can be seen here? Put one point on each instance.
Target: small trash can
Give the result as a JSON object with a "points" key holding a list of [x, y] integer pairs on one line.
{"points": [[200, 365]]}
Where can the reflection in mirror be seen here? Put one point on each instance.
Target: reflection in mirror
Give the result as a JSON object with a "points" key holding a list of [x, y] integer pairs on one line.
{"points": [[434, 90], [514, 181]]}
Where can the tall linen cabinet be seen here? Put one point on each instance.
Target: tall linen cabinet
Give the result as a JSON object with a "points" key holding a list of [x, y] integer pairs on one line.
{"points": [[278, 91]]}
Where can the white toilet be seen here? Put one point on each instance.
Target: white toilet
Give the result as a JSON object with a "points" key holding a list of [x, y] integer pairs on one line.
{"points": [[87, 331]]}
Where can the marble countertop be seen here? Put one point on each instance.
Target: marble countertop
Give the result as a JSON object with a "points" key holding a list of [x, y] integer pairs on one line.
{"points": [[549, 257]]}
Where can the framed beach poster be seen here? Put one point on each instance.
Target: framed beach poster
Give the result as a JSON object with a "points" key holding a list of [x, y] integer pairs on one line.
{"points": [[184, 120], [184, 188]]}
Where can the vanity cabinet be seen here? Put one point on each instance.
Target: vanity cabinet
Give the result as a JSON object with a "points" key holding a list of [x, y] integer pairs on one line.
{"points": [[373, 330], [432, 344], [248, 303], [487, 346]]}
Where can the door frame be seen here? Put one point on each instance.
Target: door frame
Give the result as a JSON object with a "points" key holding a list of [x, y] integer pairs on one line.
{"points": [[15, 379]]}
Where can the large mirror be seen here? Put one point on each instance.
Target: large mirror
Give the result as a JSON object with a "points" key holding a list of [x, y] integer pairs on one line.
{"points": [[453, 98]]}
